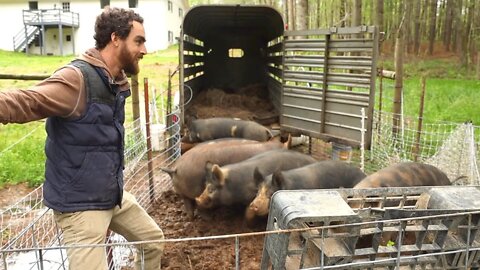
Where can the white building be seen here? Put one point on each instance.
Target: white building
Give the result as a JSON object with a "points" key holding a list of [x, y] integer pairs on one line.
{"points": [[69, 24]]}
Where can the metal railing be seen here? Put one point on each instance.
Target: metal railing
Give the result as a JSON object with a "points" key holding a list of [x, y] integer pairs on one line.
{"points": [[50, 17], [24, 37]]}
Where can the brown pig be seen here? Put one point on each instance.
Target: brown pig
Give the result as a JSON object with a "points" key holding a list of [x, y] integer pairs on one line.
{"points": [[405, 174], [234, 183], [188, 173], [201, 130], [319, 175]]}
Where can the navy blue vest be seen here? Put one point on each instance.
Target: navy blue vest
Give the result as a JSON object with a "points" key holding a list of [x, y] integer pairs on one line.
{"points": [[84, 166]]}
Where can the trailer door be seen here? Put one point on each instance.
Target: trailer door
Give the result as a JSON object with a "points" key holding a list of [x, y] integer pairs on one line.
{"points": [[328, 83]]}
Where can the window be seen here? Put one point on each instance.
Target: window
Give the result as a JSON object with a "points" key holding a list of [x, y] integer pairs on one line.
{"points": [[170, 6], [235, 53], [38, 40], [180, 12], [104, 3], [33, 5], [68, 38], [170, 36], [132, 3], [66, 6]]}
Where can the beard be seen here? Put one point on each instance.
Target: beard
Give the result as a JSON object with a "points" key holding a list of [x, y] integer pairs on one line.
{"points": [[130, 64]]}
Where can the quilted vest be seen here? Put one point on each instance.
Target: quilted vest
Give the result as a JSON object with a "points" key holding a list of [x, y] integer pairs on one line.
{"points": [[85, 156]]}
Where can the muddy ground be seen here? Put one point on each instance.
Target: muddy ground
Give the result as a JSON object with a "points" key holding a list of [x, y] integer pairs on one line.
{"points": [[206, 254], [248, 103]]}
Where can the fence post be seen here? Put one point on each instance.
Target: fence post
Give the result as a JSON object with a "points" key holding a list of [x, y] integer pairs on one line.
{"points": [[149, 142], [416, 148]]}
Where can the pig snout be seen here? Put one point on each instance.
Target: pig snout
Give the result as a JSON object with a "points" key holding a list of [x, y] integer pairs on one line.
{"points": [[260, 206], [204, 201]]}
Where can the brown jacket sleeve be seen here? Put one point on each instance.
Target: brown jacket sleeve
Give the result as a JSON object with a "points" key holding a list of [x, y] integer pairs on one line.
{"points": [[62, 94]]}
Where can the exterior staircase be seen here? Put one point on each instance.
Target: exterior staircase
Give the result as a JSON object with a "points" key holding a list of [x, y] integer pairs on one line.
{"points": [[25, 37]]}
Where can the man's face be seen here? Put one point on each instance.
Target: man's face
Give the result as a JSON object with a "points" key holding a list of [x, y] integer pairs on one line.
{"points": [[132, 49]]}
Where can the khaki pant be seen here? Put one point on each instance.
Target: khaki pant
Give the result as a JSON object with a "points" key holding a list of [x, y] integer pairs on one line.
{"points": [[90, 227]]}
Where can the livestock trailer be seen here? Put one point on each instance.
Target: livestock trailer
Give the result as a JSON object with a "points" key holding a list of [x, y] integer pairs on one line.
{"points": [[318, 82]]}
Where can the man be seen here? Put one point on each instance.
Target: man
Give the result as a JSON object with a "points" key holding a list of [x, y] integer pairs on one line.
{"points": [[84, 106]]}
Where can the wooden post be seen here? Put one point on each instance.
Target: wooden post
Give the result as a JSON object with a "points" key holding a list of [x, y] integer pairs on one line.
{"points": [[416, 148], [25, 77], [136, 107], [135, 97], [108, 241], [149, 142], [169, 115], [397, 101], [380, 100]]}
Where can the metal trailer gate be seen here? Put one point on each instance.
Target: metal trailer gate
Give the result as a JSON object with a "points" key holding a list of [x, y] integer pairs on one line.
{"points": [[329, 83], [379, 228]]}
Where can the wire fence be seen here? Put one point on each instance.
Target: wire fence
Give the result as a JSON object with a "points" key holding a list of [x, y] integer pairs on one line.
{"points": [[30, 238], [29, 226]]}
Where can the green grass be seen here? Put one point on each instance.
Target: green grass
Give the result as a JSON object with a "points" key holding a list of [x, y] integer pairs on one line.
{"points": [[451, 100], [24, 161], [451, 95]]}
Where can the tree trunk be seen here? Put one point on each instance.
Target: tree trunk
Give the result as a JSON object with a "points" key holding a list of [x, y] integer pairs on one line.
{"points": [[301, 16], [416, 27], [317, 16], [466, 37], [291, 14], [447, 33], [475, 33], [478, 65], [379, 21], [342, 13], [397, 20], [433, 22], [399, 49], [407, 37], [357, 13], [458, 26], [379, 15]]}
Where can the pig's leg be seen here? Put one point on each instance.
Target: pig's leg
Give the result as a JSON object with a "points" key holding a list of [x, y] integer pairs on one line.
{"points": [[189, 206]]}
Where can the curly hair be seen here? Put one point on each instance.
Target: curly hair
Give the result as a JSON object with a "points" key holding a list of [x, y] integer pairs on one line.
{"points": [[114, 20]]}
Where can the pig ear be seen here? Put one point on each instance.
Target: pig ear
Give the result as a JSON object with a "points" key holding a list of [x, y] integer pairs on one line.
{"points": [[170, 172], [288, 143], [257, 176], [277, 179], [208, 169], [208, 166], [218, 176], [190, 120], [269, 134]]}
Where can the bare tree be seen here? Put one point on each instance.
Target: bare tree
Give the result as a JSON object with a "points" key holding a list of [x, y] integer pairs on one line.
{"points": [[458, 37], [467, 36], [379, 15], [406, 31], [416, 27], [301, 15], [433, 24], [379, 21], [399, 51], [343, 13], [291, 14], [447, 28], [357, 13]]}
